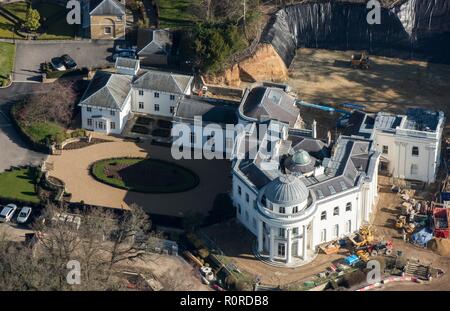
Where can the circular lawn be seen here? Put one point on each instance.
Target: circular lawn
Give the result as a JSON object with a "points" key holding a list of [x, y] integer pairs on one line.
{"points": [[144, 175]]}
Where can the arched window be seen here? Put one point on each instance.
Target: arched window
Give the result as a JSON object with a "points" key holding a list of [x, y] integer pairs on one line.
{"points": [[323, 215], [295, 210], [282, 210]]}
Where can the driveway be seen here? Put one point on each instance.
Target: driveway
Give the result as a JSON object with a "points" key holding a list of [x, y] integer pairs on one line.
{"points": [[29, 56], [13, 152], [73, 168]]}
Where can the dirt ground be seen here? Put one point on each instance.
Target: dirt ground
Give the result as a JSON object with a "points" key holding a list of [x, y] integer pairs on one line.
{"points": [[236, 243], [165, 268], [391, 84]]}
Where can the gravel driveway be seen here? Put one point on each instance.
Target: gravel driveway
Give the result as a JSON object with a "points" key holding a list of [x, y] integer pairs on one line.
{"points": [[29, 56]]}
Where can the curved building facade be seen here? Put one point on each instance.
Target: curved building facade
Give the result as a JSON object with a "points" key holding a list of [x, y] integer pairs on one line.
{"points": [[295, 192]]}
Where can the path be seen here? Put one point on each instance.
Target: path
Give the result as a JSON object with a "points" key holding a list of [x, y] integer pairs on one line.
{"points": [[73, 168]]}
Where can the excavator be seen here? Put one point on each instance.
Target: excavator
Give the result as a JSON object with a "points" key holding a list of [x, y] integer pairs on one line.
{"points": [[360, 60], [402, 223]]}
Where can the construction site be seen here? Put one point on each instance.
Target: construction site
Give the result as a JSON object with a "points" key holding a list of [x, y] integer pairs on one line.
{"points": [[408, 234]]}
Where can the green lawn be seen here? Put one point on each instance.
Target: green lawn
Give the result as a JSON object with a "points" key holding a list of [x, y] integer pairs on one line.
{"points": [[57, 26], [17, 185], [144, 175], [7, 51], [38, 131], [175, 13], [53, 15]]}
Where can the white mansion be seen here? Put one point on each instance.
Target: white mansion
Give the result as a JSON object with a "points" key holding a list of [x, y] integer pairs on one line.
{"points": [[294, 191], [291, 189]]}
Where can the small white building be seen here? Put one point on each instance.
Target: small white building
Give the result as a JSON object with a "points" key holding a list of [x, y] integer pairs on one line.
{"points": [[410, 144], [157, 92], [106, 103], [111, 97]]}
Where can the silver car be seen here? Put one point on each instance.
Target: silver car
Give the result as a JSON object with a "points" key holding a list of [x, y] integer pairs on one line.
{"points": [[24, 214], [7, 212]]}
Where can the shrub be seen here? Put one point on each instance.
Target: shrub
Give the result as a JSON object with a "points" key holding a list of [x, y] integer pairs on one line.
{"points": [[203, 252]]}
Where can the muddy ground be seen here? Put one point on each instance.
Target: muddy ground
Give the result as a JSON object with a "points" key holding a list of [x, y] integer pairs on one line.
{"points": [[391, 84], [236, 242]]}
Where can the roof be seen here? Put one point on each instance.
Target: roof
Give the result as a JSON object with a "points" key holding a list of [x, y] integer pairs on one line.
{"points": [[286, 190], [107, 90], [127, 63], [270, 103], [420, 119], [163, 81], [106, 7], [151, 41], [329, 171], [215, 111]]}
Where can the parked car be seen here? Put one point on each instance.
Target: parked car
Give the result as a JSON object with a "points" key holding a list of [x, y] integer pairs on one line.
{"points": [[69, 62], [125, 48], [128, 54], [58, 64], [7, 212], [24, 215]]}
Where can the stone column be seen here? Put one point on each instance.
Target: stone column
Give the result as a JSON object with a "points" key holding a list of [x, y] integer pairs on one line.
{"points": [[305, 243], [299, 244], [272, 243], [260, 237], [289, 246]]}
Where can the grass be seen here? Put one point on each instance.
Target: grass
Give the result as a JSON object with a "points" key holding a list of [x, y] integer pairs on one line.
{"points": [[176, 14], [19, 9], [57, 27], [144, 175], [7, 51], [17, 185], [55, 24], [38, 131]]}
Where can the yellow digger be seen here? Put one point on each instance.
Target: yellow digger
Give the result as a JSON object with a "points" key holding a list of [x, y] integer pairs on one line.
{"points": [[363, 237], [402, 223]]}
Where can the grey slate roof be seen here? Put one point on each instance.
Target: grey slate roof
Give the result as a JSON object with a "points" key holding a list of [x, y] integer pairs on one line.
{"points": [[350, 160], [106, 7], [127, 63], [286, 190], [163, 81], [107, 90], [271, 103], [154, 41], [215, 111]]}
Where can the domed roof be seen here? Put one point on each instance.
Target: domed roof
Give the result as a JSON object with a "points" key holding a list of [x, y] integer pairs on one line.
{"points": [[286, 189], [301, 157]]}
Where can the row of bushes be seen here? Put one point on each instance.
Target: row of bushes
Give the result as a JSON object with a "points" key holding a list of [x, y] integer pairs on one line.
{"points": [[66, 73]]}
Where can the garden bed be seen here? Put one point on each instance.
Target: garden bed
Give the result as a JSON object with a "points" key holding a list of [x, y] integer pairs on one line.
{"points": [[144, 175], [144, 121], [140, 129], [82, 144], [7, 51]]}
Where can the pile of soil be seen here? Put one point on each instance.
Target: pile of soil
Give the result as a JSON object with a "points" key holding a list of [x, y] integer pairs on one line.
{"points": [[440, 246]]}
